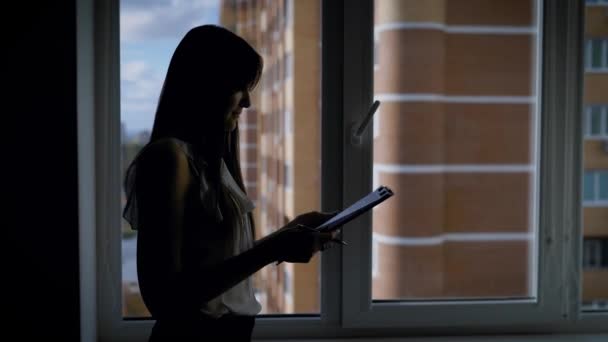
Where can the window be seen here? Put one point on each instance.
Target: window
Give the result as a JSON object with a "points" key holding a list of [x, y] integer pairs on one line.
{"points": [[452, 138], [595, 253], [596, 188], [349, 306], [596, 122], [596, 54], [596, 2]]}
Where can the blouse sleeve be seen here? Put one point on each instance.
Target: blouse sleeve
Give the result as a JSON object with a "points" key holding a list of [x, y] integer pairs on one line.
{"points": [[197, 167]]}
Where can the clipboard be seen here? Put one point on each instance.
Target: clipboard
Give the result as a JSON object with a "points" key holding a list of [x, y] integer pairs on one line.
{"points": [[366, 203]]}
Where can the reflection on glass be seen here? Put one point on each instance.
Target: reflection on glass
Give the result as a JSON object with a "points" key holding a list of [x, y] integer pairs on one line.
{"points": [[456, 141], [279, 133]]}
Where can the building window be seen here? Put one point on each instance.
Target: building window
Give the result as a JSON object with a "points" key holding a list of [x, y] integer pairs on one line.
{"points": [[596, 121], [596, 55], [595, 253], [595, 188]]}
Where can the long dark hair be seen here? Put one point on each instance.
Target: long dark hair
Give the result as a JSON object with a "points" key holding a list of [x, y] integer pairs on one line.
{"points": [[209, 64]]}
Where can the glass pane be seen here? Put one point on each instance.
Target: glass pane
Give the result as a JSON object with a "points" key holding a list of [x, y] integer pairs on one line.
{"points": [[595, 159], [596, 120], [605, 121], [596, 53], [279, 133], [603, 187], [605, 52], [456, 142], [589, 186]]}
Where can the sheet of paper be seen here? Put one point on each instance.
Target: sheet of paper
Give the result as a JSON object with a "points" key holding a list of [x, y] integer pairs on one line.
{"points": [[362, 205]]}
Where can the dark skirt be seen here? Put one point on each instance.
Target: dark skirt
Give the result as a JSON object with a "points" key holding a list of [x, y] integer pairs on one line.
{"points": [[204, 328]]}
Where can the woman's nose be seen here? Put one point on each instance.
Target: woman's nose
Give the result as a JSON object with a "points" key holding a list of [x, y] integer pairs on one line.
{"points": [[245, 100]]}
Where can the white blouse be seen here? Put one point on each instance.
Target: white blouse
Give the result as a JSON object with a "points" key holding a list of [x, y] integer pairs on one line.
{"points": [[240, 299]]}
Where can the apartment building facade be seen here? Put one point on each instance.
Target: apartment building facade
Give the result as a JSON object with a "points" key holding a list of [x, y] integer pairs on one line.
{"points": [[282, 135], [595, 179]]}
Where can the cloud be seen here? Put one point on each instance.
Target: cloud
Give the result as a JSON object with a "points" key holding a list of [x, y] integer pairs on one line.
{"points": [[139, 81], [142, 20], [140, 88]]}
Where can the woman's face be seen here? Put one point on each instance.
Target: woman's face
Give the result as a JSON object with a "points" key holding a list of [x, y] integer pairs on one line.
{"points": [[238, 101]]}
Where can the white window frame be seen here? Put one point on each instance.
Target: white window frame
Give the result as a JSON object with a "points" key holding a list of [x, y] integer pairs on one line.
{"points": [[603, 134], [346, 310], [589, 55]]}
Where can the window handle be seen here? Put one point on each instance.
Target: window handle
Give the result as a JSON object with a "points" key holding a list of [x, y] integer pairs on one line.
{"points": [[358, 129]]}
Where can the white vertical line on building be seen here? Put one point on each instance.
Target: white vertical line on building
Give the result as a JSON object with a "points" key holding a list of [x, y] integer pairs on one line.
{"points": [[249, 165], [246, 126], [377, 124], [426, 97], [466, 168], [375, 256], [450, 237], [463, 29]]}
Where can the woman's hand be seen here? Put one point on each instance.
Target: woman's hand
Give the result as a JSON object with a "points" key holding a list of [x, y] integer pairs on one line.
{"points": [[298, 241]]}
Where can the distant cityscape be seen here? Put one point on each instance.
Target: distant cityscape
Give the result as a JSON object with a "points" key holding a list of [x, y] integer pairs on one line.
{"points": [[139, 137]]}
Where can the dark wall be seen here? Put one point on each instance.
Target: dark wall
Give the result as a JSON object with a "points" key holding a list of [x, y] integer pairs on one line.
{"points": [[40, 157]]}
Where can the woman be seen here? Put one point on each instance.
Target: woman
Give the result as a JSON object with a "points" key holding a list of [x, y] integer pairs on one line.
{"points": [[195, 246]]}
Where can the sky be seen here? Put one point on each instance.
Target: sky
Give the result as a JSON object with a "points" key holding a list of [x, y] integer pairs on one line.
{"points": [[149, 32]]}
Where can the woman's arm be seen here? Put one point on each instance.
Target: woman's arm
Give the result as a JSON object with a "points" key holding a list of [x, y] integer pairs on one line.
{"points": [[164, 180]]}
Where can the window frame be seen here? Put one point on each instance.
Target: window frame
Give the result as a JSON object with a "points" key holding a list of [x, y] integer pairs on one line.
{"points": [[346, 93], [557, 211], [603, 134], [595, 246], [589, 55], [596, 201]]}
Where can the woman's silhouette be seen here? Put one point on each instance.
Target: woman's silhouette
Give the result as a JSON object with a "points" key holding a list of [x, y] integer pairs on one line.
{"points": [[185, 196]]}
